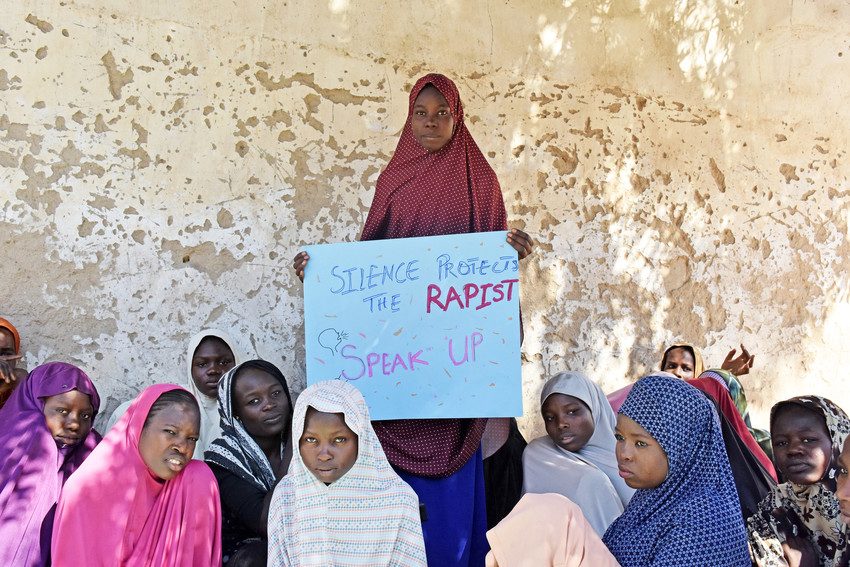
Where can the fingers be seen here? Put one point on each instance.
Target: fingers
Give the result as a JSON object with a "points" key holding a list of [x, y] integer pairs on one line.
{"points": [[729, 357], [521, 242], [299, 263], [744, 351]]}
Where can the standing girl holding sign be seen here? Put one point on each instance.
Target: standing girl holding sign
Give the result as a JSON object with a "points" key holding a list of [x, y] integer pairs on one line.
{"points": [[438, 182]]}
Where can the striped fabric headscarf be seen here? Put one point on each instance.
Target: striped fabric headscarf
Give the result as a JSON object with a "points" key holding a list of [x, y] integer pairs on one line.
{"points": [[235, 450], [368, 517], [693, 516]]}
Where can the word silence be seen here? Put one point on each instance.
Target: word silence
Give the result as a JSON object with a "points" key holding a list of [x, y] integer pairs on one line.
{"points": [[424, 327]]}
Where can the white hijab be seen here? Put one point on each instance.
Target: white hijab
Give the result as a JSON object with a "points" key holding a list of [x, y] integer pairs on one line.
{"points": [[210, 419], [369, 516], [588, 477], [210, 425]]}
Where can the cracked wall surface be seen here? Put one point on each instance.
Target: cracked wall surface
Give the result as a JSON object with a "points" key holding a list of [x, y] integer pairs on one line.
{"points": [[682, 166]]}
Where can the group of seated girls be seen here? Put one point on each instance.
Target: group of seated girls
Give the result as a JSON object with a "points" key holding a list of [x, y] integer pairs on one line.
{"points": [[675, 477]]}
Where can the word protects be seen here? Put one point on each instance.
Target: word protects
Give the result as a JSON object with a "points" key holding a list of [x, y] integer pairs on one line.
{"points": [[470, 295]]}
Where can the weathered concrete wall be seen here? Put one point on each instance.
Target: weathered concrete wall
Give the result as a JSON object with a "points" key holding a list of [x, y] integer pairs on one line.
{"points": [[681, 163]]}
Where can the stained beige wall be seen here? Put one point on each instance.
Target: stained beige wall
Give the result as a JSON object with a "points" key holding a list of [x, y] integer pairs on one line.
{"points": [[682, 164]]}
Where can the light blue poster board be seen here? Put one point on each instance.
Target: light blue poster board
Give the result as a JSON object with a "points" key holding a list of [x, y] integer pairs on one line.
{"points": [[424, 327]]}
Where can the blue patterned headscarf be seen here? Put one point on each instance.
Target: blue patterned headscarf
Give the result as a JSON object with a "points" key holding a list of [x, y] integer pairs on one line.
{"points": [[693, 517]]}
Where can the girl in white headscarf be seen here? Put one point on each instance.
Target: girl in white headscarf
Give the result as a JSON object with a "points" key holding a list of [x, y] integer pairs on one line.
{"points": [[576, 458], [211, 353], [341, 503]]}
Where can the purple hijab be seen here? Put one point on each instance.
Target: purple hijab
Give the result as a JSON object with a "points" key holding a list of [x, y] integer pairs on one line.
{"points": [[33, 468]]}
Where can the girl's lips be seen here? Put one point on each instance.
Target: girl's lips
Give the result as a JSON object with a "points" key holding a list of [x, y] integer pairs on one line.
{"points": [[798, 467], [625, 473], [175, 464]]}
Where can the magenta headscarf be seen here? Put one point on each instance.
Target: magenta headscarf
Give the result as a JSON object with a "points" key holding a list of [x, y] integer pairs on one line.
{"points": [[114, 511], [420, 193], [33, 468]]}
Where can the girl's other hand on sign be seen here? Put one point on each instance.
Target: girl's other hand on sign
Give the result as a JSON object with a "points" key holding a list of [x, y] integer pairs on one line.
{"points": [[300, 263], [520, 241]]}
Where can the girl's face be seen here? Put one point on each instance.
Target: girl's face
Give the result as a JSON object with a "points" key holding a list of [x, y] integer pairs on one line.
{"points": [[843, 490], [260, 403], [7, 347], [679, 362], [802, 447], [168, 439], [210, 361], [432, 122], [328, 447], [642, 462], [68, 417], [568, 420]]}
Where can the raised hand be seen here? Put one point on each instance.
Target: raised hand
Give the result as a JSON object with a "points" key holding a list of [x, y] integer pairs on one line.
{"points": [[739, 365]]}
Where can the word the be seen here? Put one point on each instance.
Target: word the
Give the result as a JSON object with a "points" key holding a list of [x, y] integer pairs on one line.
{"points": [[379, 302], [474, 266], [360, 279], [470, 291], [386, 362]]}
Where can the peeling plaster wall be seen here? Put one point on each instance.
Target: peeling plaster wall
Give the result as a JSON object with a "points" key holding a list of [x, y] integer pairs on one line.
{"points": [[682, 165]]}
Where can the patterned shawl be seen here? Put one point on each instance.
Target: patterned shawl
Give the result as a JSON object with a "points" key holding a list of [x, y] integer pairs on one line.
{"points": [[236, 451], [739, 397], [420, 193], [693, 517], [33, 468], [368, 517], [809, 511]]}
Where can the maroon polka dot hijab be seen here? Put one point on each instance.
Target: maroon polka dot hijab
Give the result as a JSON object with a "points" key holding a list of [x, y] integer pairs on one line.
{"points": [[451, 191]]}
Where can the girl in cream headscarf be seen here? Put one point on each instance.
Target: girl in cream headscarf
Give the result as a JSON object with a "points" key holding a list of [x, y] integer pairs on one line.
{"points": [[211, 353]]}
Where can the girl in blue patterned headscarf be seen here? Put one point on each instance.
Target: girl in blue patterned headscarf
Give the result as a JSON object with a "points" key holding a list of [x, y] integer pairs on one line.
{"points": [[692, 517]]}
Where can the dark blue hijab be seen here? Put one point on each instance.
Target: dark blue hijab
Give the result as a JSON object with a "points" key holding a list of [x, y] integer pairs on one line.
{"points": [[693, 517]]}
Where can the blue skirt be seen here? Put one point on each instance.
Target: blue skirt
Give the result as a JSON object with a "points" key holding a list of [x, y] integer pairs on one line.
{"points": [[456, 525]]}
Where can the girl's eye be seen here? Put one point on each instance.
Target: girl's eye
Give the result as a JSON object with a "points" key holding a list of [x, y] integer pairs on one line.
{"points": [[276, 393], [170, 431], [86, 416], [548, 417], [641, 444], [309, 439], [63, 411], [200, 364], [193, 439], [619, 437], [340, 440], [253, 402]]}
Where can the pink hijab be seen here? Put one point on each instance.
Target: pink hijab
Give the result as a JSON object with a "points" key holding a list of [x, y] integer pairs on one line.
{"points": [[546, 529], [114, 511]]}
